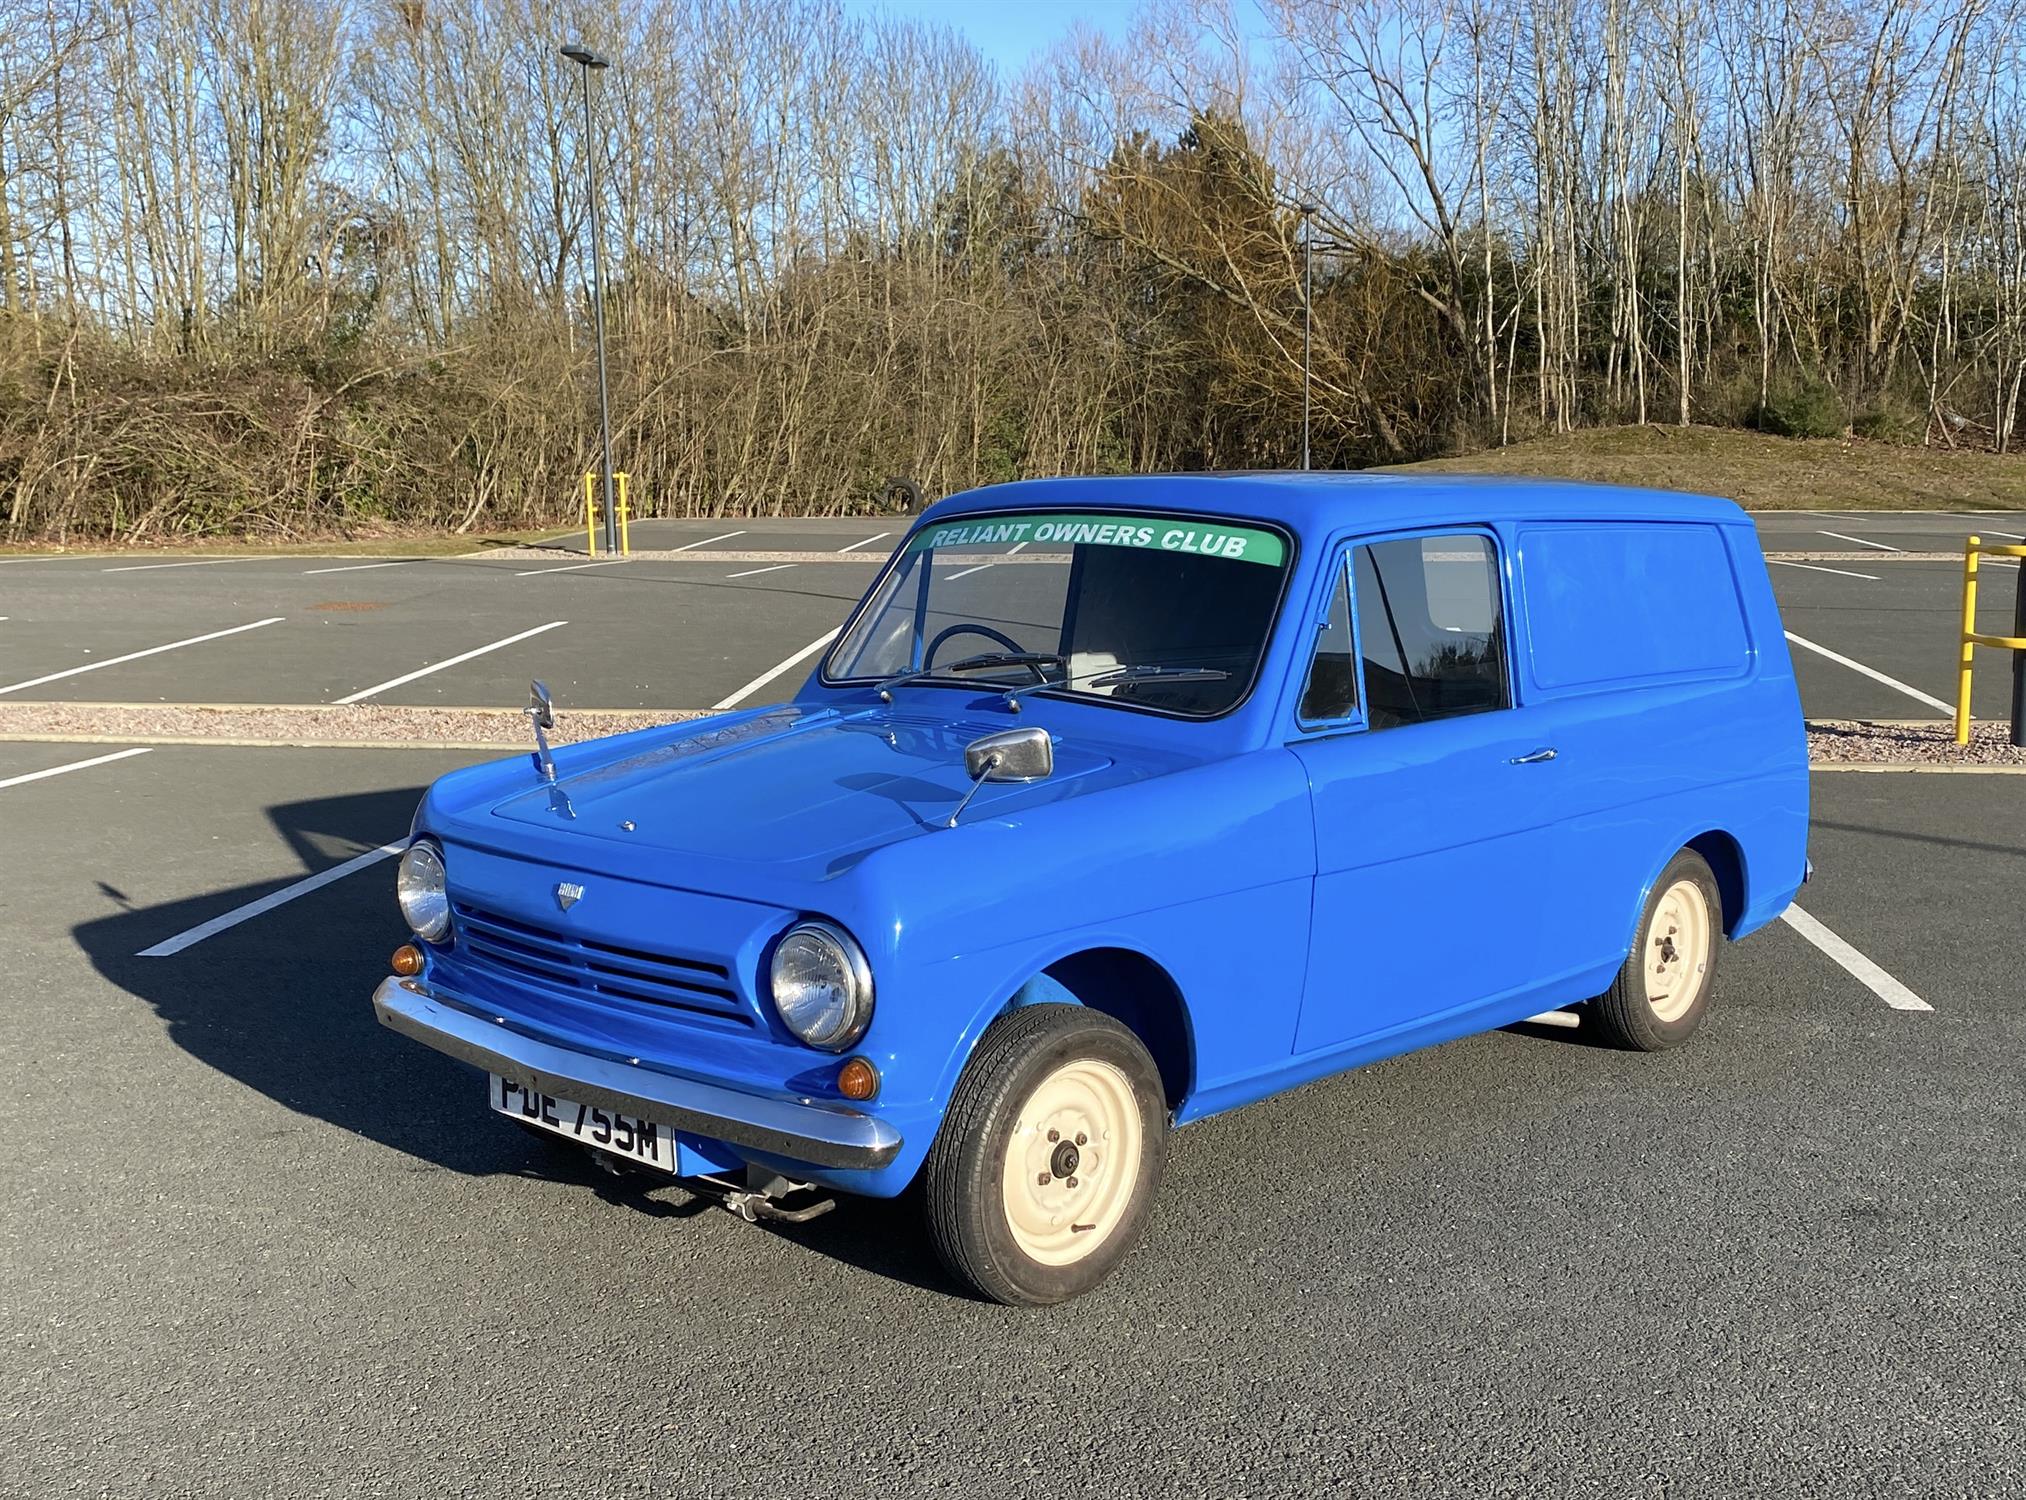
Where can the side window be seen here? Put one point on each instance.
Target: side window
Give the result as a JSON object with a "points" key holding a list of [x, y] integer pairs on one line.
{"points": [[1431, 628], [1332, 691]]}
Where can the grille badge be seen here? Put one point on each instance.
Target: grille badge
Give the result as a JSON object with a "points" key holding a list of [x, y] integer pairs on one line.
{"points": [[568, 894]]}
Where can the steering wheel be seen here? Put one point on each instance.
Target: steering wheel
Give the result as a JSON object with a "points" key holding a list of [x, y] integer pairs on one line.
{"points": [[929, 656]]}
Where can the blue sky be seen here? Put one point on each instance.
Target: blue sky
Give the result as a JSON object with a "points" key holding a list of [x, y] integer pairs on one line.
{"points": [[1008, 32]]}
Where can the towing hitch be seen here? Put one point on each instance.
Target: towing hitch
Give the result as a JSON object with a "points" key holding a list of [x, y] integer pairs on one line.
{"points": [[777, 1199]]}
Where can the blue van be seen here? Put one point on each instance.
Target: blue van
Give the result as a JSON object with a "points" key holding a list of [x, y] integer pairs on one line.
{"points": [[1114, 804]]}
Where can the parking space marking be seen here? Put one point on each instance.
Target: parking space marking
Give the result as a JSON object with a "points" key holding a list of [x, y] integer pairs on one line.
{"points": [[357, 567], [113, 661], [1860, 541], [1853, 963], [1873, 673], [202, 562], [1017, 550], [750, 572], [574, 567], [438, 666], [267, 903], [775, 671], [867, 542], [76, 765], [706, 542], [967, 572], [1779, 562]]}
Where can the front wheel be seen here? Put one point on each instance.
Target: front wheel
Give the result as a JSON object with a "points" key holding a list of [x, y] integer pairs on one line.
{"points": [[1045, 1169], [1660, 995]]}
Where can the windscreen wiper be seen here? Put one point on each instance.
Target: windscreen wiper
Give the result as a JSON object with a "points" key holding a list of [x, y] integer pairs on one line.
{"points": [[1114, 675], [984, 661]]}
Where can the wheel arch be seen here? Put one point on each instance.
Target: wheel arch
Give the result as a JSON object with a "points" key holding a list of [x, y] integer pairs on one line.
{"points": [[1134, 990], [1726, 860]]}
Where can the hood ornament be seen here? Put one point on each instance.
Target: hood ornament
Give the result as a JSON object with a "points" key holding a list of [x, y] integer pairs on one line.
{"points": [[541, 712], [568, 894]]}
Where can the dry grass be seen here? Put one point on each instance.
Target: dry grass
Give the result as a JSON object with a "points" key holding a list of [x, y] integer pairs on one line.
{"points": [[1763, 472], [392, 543]]}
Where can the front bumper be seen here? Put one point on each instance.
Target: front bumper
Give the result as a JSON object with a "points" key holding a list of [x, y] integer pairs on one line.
{"points": [[820, 1133]]}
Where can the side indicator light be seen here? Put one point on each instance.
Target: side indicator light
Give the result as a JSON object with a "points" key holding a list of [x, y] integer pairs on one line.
{"points": [[857, 1079], [407, 960]]}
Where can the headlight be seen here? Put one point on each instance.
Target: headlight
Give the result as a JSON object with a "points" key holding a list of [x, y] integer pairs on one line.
{"points": [[422, 891], [822, 985]]}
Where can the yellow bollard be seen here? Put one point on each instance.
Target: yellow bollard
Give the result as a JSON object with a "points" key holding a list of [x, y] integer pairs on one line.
{"points": [[625, 543], [590, 516], [1970, 554]]}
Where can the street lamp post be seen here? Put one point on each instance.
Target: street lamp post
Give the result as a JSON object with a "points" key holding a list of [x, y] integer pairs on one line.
{"points": [[588, 61], [1307, 212]]}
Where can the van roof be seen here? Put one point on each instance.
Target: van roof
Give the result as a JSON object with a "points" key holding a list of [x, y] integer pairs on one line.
{"points": [[1317, 503]]}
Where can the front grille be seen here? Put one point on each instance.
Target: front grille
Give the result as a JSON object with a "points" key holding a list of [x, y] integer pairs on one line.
{"points": [[523, 951]]}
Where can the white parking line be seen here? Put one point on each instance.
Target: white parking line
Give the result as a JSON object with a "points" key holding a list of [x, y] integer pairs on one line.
{"points": [[1860, 541], [358, 567], [750, 572], [867, 542], [1860, 968], [202, 562], [775, 671], [952, 578], [1872, 672], [268, 903], [706, 542], [1779, 562], [113, 661], [1016, 551], [574, 567], [438, 666], [76, 765]]}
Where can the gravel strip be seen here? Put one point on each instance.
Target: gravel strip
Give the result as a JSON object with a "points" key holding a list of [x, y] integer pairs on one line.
{"points": [[314, 724], [1924, 743], [1920, 743]]}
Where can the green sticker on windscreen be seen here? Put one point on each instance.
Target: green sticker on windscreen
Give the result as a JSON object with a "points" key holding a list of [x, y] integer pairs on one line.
{"points": [[1199, 538]]}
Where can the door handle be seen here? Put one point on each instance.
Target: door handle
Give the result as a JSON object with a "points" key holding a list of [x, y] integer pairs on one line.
{"points": [[1533, 757]]}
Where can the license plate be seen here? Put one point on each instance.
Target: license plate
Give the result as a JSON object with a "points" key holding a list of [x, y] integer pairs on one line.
{"points": [[637, 1140]]}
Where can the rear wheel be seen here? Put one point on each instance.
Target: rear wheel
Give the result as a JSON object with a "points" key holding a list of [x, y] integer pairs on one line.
{"points": [[1659, 996], [1045, 1169]]}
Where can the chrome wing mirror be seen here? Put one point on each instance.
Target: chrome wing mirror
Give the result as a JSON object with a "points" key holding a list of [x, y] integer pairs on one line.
{"points": [[1010, 755], [541, 712]]}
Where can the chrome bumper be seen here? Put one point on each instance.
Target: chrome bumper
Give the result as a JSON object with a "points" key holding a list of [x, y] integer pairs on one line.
{"points": [[822, 1134]]}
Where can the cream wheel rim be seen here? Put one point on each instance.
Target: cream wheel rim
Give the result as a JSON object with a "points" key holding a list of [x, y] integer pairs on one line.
{"points": [[1675, 957], [1072, 1162]]}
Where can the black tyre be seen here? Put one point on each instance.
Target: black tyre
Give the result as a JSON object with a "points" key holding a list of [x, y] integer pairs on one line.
{"points": [[1045, 1169], [1659, 996]]}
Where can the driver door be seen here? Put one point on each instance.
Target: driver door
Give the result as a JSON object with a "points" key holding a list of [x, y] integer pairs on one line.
{"points": [[1433, 795]]}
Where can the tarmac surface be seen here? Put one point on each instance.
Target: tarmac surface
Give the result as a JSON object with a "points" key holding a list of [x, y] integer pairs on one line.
{"points": [[688, 631], [255, 1244]]}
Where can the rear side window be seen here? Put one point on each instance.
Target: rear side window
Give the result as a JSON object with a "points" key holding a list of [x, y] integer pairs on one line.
{"points": [[1430, 628], [1611, 604]]}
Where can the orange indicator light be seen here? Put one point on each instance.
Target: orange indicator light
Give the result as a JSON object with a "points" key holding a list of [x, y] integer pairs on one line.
{"points": [[857, 1079]]}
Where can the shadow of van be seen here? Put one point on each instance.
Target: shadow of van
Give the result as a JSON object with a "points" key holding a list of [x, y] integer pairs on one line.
{"points": [[281, 1004]]}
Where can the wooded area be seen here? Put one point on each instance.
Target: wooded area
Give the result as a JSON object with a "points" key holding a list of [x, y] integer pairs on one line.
{"points": [[281, 267]]}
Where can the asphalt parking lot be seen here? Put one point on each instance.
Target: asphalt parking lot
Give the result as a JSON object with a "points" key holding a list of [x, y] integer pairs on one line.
{"points": [[695, 629], [256, 1244]]}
